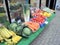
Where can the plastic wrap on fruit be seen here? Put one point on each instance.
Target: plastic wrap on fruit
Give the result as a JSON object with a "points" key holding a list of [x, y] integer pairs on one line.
{"points": [[13, 26], [39, 19], [4, 32], [23, 30], [16, 39], [26, 32], [19, 30], [33, 26]]}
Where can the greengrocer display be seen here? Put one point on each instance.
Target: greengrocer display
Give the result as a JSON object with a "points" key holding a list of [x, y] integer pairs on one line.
{"points": [[23, 29], [19, 33]]}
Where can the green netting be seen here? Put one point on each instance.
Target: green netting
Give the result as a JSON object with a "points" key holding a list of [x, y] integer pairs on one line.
{"points": [[27, 41]]}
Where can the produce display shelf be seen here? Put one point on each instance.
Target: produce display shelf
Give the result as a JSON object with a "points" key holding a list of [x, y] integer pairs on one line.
{"points": [[27, 41]]}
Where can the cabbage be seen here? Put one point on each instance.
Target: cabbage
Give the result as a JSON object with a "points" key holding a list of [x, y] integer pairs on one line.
{"points": [[26, 31]]}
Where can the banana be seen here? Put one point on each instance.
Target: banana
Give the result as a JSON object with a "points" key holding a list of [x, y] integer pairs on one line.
{"points": [[9, 42], [16, 38], [1, 39], [7, 33], [12, 33], [4, 32]]}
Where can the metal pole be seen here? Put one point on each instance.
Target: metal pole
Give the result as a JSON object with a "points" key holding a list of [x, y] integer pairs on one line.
{"points": [[49, 3], [8, 12], [54, 4], [40, 4], [29, 1]]}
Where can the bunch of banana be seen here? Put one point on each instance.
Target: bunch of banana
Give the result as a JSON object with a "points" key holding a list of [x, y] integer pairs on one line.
{"points": [[9, 35], [8, 42], [1, 38], [16, 39], [4, 32], [13, 41], [12, 33]]}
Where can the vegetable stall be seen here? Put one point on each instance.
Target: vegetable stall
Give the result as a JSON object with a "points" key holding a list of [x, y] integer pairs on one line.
{"points": [[24, 33]]}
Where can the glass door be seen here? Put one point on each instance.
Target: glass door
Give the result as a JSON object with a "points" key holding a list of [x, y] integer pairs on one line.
{"points": [[16, 10]]}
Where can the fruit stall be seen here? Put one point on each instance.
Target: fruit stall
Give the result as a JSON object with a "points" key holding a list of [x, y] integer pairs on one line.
{"points": [[26, 24]]}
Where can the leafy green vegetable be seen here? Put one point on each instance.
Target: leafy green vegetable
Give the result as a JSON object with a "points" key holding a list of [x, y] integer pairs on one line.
{"points": [[26, 31]]}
